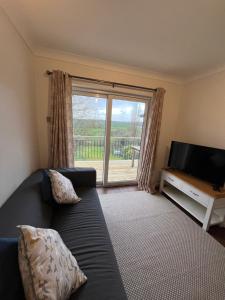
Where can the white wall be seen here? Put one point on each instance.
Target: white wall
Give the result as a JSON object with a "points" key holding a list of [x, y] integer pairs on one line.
{"points": [[170, 110], [202, 114], [18, 139], [193, 113]]}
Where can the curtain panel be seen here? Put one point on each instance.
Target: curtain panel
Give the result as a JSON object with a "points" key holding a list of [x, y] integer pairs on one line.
{"points": [[146, 178], [61, 152]]}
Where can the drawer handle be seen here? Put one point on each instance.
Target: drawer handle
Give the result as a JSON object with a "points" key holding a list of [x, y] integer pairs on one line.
{"points": [[195, 194], [171, 179]]}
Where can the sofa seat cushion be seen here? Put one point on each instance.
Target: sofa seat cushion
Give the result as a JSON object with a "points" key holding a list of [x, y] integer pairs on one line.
{"points": [[83, 229]]}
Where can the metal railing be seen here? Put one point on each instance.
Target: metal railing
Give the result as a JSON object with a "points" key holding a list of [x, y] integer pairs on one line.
{"points": [[92, 147]]}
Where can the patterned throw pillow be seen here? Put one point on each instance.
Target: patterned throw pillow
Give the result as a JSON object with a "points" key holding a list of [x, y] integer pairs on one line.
{"points": [[62, 188], [48, 268]]}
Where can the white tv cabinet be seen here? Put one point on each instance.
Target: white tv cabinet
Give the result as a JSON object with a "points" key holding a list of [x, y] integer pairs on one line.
{"points": [[195, 196]]}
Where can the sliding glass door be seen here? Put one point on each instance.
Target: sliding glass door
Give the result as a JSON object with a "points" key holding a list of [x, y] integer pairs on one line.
{"points": [[89, 119], [107, 135], [125, 139]]}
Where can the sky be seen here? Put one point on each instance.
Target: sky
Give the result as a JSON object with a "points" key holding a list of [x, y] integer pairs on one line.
{"points": [[95, 108]]}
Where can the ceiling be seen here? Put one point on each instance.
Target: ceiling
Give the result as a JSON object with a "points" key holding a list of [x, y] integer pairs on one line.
{"points": [[181, 38]]}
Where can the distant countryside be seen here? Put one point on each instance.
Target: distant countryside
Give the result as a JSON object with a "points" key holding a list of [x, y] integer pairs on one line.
{"points": [[89, 115], [89, 139]]}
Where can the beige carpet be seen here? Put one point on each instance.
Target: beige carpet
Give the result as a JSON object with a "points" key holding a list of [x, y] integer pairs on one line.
{"points": [[161, 252]]}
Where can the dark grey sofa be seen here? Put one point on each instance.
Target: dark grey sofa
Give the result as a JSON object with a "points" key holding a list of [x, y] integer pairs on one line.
{"points": [[81, 226]]}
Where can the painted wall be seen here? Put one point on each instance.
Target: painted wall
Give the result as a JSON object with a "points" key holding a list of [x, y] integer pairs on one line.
{"points": [[170, 110], [202, 114], [192, 113], [18, 139]]}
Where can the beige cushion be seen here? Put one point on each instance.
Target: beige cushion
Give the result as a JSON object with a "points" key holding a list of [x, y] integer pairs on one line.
{"points": [[62, 188], [48, 268]]}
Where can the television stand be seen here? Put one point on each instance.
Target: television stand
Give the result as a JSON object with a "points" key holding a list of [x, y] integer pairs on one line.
{"points": [[216, 188], [195, 196]]}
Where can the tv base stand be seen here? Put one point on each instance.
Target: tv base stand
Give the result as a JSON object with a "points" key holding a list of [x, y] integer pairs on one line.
{"points": [[195, 196]]}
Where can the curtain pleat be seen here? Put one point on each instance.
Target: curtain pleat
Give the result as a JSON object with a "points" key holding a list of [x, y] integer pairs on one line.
{"points": [[150, 140], [61, 121]]}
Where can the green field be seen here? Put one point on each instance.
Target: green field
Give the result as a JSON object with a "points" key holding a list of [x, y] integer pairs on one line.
{"points": [[97, 128], [89, 139]]}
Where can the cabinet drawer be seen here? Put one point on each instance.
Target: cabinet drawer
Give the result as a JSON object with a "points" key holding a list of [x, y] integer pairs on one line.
{"points": [[195, 194], [173, 180]]}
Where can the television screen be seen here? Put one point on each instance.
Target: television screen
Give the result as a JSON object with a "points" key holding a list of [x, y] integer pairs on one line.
{"points": [[205, 163]]}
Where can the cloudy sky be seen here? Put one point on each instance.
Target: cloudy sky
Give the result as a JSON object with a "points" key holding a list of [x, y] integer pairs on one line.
{"points": [[95, 108]]}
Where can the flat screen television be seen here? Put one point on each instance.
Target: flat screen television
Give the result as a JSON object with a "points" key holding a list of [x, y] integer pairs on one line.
{"points": [[205, 163]]}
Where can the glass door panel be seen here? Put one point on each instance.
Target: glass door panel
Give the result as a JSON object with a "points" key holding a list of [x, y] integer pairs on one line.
{"points": [[89, 118], [127, 119]]}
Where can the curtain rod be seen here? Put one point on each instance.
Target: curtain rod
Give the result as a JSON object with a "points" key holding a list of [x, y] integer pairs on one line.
{"points": [[113, 84]]}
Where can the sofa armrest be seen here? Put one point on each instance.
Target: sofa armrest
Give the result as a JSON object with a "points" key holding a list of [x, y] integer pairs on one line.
{"points": [[80, 177]]}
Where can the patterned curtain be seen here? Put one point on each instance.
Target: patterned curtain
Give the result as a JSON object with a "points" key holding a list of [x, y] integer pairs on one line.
{"points": [[60, 121], [150, 138]]}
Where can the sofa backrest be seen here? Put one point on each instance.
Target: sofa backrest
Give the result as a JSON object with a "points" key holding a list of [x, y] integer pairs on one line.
{"points": [[25, 206]]}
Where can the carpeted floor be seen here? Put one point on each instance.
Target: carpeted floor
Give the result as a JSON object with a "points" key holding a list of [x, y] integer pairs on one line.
{"points": [[161, 252], [216, 231]]}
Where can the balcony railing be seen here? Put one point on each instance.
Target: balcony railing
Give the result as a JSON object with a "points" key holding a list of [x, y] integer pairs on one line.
{"points": [[92, 147]]}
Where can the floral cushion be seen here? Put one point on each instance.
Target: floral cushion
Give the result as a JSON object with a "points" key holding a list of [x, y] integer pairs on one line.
{"points": [[48, 268], [62, 188]]}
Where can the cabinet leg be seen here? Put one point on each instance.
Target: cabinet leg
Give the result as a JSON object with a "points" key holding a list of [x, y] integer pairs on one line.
{"points": [[208, 216]]}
